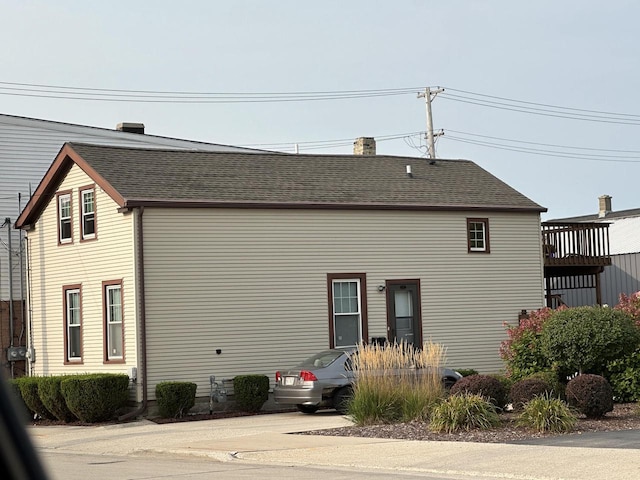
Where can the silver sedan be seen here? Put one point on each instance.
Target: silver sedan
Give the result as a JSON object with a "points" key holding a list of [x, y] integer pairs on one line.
{"points": [[325, 380]]}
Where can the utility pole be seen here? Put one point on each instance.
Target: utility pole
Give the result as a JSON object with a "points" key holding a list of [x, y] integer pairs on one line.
{"points": [[429, 95]]}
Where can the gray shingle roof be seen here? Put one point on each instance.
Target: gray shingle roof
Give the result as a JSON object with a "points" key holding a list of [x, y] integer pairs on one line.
{"points": [[141, 175], [634, 212]]}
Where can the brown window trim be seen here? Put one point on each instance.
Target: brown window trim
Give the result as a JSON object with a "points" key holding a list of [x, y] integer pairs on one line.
{"points": [[65, 288], [363, 306], [95, 213], [106, 284], [58, 195], [487, 244]]}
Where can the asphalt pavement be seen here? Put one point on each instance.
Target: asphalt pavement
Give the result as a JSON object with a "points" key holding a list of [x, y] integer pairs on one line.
{"points": [[271, 440]]}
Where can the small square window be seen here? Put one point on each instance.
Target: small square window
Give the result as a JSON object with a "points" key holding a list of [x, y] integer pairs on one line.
{"points": [[478, 235]]}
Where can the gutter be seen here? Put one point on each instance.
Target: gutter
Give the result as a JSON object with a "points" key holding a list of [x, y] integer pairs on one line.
{"points": [[143, 321]]}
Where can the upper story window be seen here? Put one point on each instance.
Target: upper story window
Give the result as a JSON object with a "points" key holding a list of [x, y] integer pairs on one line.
{"points": [[88, 213], [348, 323], [478, 235], [64, 218]]}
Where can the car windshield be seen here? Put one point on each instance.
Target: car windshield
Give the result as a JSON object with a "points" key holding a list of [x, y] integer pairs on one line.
{"points": [[322, 359]]}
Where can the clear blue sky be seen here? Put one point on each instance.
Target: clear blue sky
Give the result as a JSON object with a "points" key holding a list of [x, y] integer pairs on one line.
{"points": [[574, 54]]}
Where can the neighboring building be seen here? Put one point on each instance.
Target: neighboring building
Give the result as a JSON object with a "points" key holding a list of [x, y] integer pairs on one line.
{"points": [[27, 146], [183, 264], [623, 274]]}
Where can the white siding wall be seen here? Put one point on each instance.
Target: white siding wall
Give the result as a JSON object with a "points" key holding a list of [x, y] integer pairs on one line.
{"points": [[253, 284], [110, 257]]}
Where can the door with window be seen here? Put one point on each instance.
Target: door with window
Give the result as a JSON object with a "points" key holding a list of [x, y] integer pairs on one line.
{"points": [[404, 320]]}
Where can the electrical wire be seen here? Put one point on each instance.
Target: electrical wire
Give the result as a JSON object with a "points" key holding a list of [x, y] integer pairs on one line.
{"points": [[547, 153]]}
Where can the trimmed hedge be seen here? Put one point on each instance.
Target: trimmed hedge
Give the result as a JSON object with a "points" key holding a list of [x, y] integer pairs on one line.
{"points": [[14, 389], [484, 385], [591, 395], [95, 397], [175, 399], [527, 389], [52, 398], [251, 391], [29, 391]]}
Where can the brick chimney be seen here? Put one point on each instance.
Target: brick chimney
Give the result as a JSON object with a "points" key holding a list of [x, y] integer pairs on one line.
{"points": [[604, 202], [364, 146], [131, 127]]}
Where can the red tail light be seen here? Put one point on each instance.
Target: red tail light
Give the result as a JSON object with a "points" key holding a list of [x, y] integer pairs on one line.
{"points": [[307, 376], [278, 376]]}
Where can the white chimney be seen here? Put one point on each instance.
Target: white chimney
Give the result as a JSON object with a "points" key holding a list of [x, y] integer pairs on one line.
{"points": [[604, 203]]}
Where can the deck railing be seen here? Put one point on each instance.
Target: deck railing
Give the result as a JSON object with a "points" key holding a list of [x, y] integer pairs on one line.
{"points": [[584, 243]]}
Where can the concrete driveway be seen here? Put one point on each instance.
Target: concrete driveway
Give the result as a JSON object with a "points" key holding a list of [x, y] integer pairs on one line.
{"points": [[268, 440]]}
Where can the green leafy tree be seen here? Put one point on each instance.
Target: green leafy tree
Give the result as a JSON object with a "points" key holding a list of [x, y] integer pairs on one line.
{"points": [[584, 339]]}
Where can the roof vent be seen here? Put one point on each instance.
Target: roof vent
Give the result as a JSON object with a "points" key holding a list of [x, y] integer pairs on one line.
{"points": [[131, 127], [364, 146], [409, 174]]}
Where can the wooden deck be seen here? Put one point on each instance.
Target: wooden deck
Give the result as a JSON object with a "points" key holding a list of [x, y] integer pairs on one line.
{"points": [[575, 244]]}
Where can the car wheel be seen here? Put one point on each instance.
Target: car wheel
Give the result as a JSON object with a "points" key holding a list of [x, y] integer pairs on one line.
{"points": [[307, 408], [341, 399], [448, 383]]}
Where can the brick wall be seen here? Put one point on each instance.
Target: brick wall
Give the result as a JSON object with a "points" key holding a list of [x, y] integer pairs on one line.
{"points": [[19, 338]]}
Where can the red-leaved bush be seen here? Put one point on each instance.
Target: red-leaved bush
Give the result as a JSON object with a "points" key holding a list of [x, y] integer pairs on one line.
{"points": [[630, 304]]}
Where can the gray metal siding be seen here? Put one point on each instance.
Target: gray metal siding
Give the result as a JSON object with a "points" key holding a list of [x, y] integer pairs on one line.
{"points": [[623, 276], [28, 146]]}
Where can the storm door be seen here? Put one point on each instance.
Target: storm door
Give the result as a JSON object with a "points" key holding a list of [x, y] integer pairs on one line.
{"points": [[404, 322]]}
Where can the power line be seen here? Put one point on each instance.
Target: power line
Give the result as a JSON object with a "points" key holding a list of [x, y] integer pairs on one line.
{"points": [[540, 111], [546, 153]]}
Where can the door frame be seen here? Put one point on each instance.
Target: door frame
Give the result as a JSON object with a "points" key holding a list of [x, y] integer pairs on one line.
{"points": [[414, 282]]}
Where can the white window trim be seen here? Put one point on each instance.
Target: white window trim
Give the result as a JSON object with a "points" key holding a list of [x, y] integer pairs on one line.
{"points": [[84, 214], [68, 326], [67, 197], [484, 236], [108, 288], [359, 312]]}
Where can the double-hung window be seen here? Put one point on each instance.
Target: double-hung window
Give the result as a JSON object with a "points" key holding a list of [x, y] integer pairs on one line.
{"points": [[64, 218], [73, 323], [112, 292], [478, 235], [348, 315], [88, 213]]}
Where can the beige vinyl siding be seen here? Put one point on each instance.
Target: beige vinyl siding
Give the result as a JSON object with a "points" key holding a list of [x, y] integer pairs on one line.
{"points": [[253, 283], [88, 263]]}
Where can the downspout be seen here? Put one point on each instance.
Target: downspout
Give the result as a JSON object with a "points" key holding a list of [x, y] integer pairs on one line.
{"points": [[143, 321]]}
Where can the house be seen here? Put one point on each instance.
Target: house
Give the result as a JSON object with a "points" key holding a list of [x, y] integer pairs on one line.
{"points": [[622, 273], [178, 265], [27, 147]]}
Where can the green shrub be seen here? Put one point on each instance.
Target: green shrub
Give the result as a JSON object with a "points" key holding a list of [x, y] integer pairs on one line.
{"points": [[29, 391], [96, 397], [485, 386], [250, 391], [522, 351], [467, 372], [591, 395], [624, 376], [546, 413], [585, 339], [52, 398], [463, 412], [14, 389], [175, 399], [527, 389]]}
